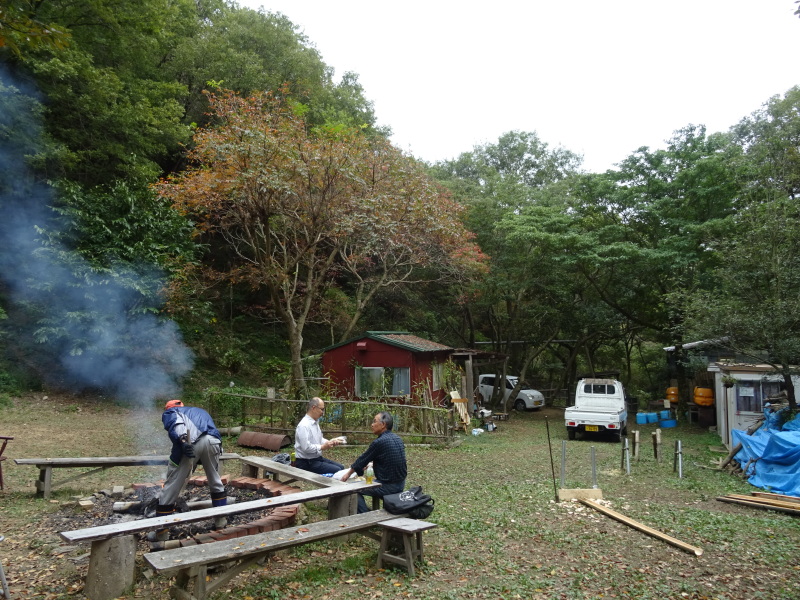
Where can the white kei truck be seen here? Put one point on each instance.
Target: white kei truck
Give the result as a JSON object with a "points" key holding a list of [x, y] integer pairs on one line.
{"points": [[599, 407]]}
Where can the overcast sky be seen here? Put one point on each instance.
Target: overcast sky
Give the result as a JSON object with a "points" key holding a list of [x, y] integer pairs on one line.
{"points": [[600, 78]]}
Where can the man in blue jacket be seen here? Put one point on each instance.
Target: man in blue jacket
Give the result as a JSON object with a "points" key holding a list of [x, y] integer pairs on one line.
{"points": [[195, 439]]}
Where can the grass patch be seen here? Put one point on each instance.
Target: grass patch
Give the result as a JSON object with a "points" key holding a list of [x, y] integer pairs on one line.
{"points": [[501, 534]]}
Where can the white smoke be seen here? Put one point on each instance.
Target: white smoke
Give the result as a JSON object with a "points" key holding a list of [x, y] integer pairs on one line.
{"points": [[93, 328]]}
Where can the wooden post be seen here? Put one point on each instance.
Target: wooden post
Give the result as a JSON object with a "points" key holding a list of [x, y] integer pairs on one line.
{"points": [[657, 445], [636, 443]]}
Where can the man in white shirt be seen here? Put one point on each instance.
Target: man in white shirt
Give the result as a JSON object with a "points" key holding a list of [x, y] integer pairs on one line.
{"points": [[309, 443]]}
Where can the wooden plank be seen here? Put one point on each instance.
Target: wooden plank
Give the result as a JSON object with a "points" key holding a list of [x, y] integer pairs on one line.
{"points": [[768, 501], [105, 461], [643, 528], [294, 473], [783, 497], [105, 531], [565, 495], [236, 549], [754, 504]]}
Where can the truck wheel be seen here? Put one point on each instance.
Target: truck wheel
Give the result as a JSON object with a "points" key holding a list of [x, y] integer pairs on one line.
{"points": [[571, 434], [617, 436], [519, 405]]}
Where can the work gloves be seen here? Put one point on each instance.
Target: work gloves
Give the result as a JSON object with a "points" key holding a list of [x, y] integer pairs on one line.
{"points": [[188, 449]]}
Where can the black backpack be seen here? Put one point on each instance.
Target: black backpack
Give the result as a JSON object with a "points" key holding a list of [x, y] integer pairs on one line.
{"points": [[411, 502]]}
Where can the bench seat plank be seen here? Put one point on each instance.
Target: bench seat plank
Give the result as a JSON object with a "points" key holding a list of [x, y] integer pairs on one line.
{"points": [[179, 559], [191, 564], [45, 484], [106, 531], [105, 461], [293, 473]]}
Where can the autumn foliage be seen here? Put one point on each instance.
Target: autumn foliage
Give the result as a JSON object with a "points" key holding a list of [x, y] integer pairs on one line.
{"points": [[303, 209]]}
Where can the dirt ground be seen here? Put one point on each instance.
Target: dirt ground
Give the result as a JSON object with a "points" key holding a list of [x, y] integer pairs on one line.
{"points": [[501, 533]]}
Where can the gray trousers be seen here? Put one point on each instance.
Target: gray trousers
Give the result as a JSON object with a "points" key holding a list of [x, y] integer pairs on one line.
{"points": [[207, 451]]}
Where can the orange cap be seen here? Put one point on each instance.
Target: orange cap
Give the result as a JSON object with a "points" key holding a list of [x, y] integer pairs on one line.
{"points": [[172, 404]]}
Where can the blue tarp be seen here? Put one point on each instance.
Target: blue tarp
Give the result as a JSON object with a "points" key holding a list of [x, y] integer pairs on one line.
{"points": [[771, 455]]}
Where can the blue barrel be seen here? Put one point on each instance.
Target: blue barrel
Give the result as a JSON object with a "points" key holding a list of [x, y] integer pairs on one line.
{"points": [[665, 414], [641, 418], [667, 423], [652, 417]]}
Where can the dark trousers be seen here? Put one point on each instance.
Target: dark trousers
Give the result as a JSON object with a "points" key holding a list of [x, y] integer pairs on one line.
{"points": [[379, 492], [320, 466]]}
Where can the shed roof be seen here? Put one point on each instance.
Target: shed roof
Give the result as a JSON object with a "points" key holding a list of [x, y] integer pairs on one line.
{"points": [[401, 339]]}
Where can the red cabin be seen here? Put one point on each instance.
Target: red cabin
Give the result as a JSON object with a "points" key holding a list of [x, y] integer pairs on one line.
{"points": [[381, 364]]}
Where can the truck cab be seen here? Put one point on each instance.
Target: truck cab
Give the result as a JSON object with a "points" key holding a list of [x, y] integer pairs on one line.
{"points": [[599, 407]]}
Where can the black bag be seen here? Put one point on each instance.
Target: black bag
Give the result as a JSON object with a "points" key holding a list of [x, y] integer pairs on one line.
{"points": [[411, 502]]}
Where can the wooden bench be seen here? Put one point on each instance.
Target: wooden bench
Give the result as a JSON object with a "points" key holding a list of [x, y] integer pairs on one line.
{"points": [[45, 484], [112, 544], [410, 531], [191, 564], [338, 506], [254, 466]]}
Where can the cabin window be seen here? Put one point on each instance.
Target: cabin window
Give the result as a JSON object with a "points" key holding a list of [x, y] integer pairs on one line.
{"points": [[377, 382]]}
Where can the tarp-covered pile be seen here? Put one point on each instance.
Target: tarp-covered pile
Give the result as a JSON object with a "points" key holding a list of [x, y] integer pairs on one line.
{"points": [[771, 456]]}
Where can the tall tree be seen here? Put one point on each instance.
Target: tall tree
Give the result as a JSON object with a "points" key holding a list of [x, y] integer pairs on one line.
{"points": [[755, 303], [301, 209]]}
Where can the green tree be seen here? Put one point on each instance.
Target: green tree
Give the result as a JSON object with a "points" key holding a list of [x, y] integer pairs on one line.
{"points": [[756, 299]]}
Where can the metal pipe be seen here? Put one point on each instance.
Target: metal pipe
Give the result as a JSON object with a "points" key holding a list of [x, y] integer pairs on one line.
{"points": [[594, 470], [678, 463]]}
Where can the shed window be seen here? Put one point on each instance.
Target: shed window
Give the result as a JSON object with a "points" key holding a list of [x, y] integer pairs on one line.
{"points": [[374, 382], [751, 395]]}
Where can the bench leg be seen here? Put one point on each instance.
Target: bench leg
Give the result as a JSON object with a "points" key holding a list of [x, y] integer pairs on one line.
{"points": [[250, 471], [412, 548], [194, 578], [112, 567], [44, 484]]}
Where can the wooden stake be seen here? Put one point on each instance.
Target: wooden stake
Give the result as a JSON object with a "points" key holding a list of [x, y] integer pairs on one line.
{"points": [[643, 528], [636, 445], [657, 445]]}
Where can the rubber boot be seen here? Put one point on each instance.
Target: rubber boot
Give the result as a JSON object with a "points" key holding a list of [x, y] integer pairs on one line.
{"points": [[161, 535], [219, 499]]}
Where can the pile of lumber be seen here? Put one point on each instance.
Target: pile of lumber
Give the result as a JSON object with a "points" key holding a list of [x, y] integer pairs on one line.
{"points": [[765, 500]]}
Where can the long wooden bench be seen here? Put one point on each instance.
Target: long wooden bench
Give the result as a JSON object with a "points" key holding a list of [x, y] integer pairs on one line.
{"points": [[104, 532], [191, 565], [112, 545], [45, 484]]}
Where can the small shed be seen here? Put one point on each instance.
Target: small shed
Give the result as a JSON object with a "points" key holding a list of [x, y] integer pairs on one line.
{"points": [[740, 405], [384, 364]]}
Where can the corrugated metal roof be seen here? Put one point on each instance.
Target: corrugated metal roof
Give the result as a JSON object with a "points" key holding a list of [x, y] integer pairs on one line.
{"points": [[407, 340], [402, 339]]}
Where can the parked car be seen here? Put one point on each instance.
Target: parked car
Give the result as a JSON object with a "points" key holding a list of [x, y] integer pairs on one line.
{"points": [[599, 407], [526, 398]]}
